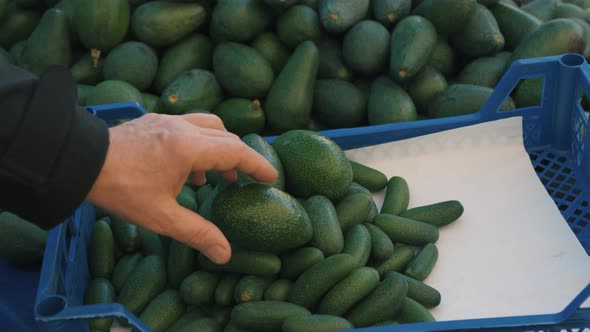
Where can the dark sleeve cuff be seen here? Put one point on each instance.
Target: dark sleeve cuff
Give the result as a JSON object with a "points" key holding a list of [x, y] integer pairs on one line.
{"points": [[54, 156], [79, 163]]}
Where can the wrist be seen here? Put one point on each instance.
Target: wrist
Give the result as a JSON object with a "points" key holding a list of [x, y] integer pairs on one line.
{"points": [[99, 187]]}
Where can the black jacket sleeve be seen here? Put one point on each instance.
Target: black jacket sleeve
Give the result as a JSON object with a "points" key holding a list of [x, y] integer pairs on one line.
{"points": [[51, 149]]}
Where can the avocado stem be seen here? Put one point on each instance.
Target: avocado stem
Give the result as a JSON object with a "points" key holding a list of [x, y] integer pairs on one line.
{"points": [[391, 16], [256, 104], [95, 54], [342, 72]]}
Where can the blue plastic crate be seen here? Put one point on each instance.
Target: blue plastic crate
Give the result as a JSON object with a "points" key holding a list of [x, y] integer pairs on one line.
{"points": [[18, 289], [553, 136]]}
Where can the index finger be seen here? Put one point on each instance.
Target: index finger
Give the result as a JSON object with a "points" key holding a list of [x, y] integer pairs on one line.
{"points": [[226, 153]]}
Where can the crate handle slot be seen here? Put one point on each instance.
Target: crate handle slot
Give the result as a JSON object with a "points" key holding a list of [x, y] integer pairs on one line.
{"points": [[519, 70], [51, 305], [562, 76]]}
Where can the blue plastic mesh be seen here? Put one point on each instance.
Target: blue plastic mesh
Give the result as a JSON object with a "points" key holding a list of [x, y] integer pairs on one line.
{"points": [[531, 131], [558, 174]]}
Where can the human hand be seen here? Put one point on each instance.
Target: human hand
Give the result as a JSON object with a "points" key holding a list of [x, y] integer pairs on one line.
{"points": [[148, 162]]}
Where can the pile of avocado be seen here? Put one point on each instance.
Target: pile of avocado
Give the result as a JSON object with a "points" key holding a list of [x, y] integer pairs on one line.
{"points": [[310, 251], [269, 66]]}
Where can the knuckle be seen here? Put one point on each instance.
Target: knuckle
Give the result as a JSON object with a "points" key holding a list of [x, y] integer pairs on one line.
{"points": [[235, 137], [241, 146], [240, 150], [164, 136], [216, 120], [210, 116], [151, 116]]}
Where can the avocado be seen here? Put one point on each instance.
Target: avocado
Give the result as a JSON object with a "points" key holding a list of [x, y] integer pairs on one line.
{"points": [[389, 103], [388, 12], [193, 89], [272, 49], [314, 164], [133, 62], [241, 70], [192, 52], [339, 104], [298, 24], [110, 92], [241, 116], [260, 217], [412, 42], [448, 16], [363, 36], [289, 101], [23, 243], [339, 15], [481, 35], [17, 25], [101, 24], [239, 20], [49, 44], [159, 23]]}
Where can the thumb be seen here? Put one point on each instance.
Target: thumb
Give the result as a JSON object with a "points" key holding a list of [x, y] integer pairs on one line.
{"points": [[193, 230]]}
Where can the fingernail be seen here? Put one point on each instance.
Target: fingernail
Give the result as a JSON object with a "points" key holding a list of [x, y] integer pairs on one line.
{"points": [[220, 254]]}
